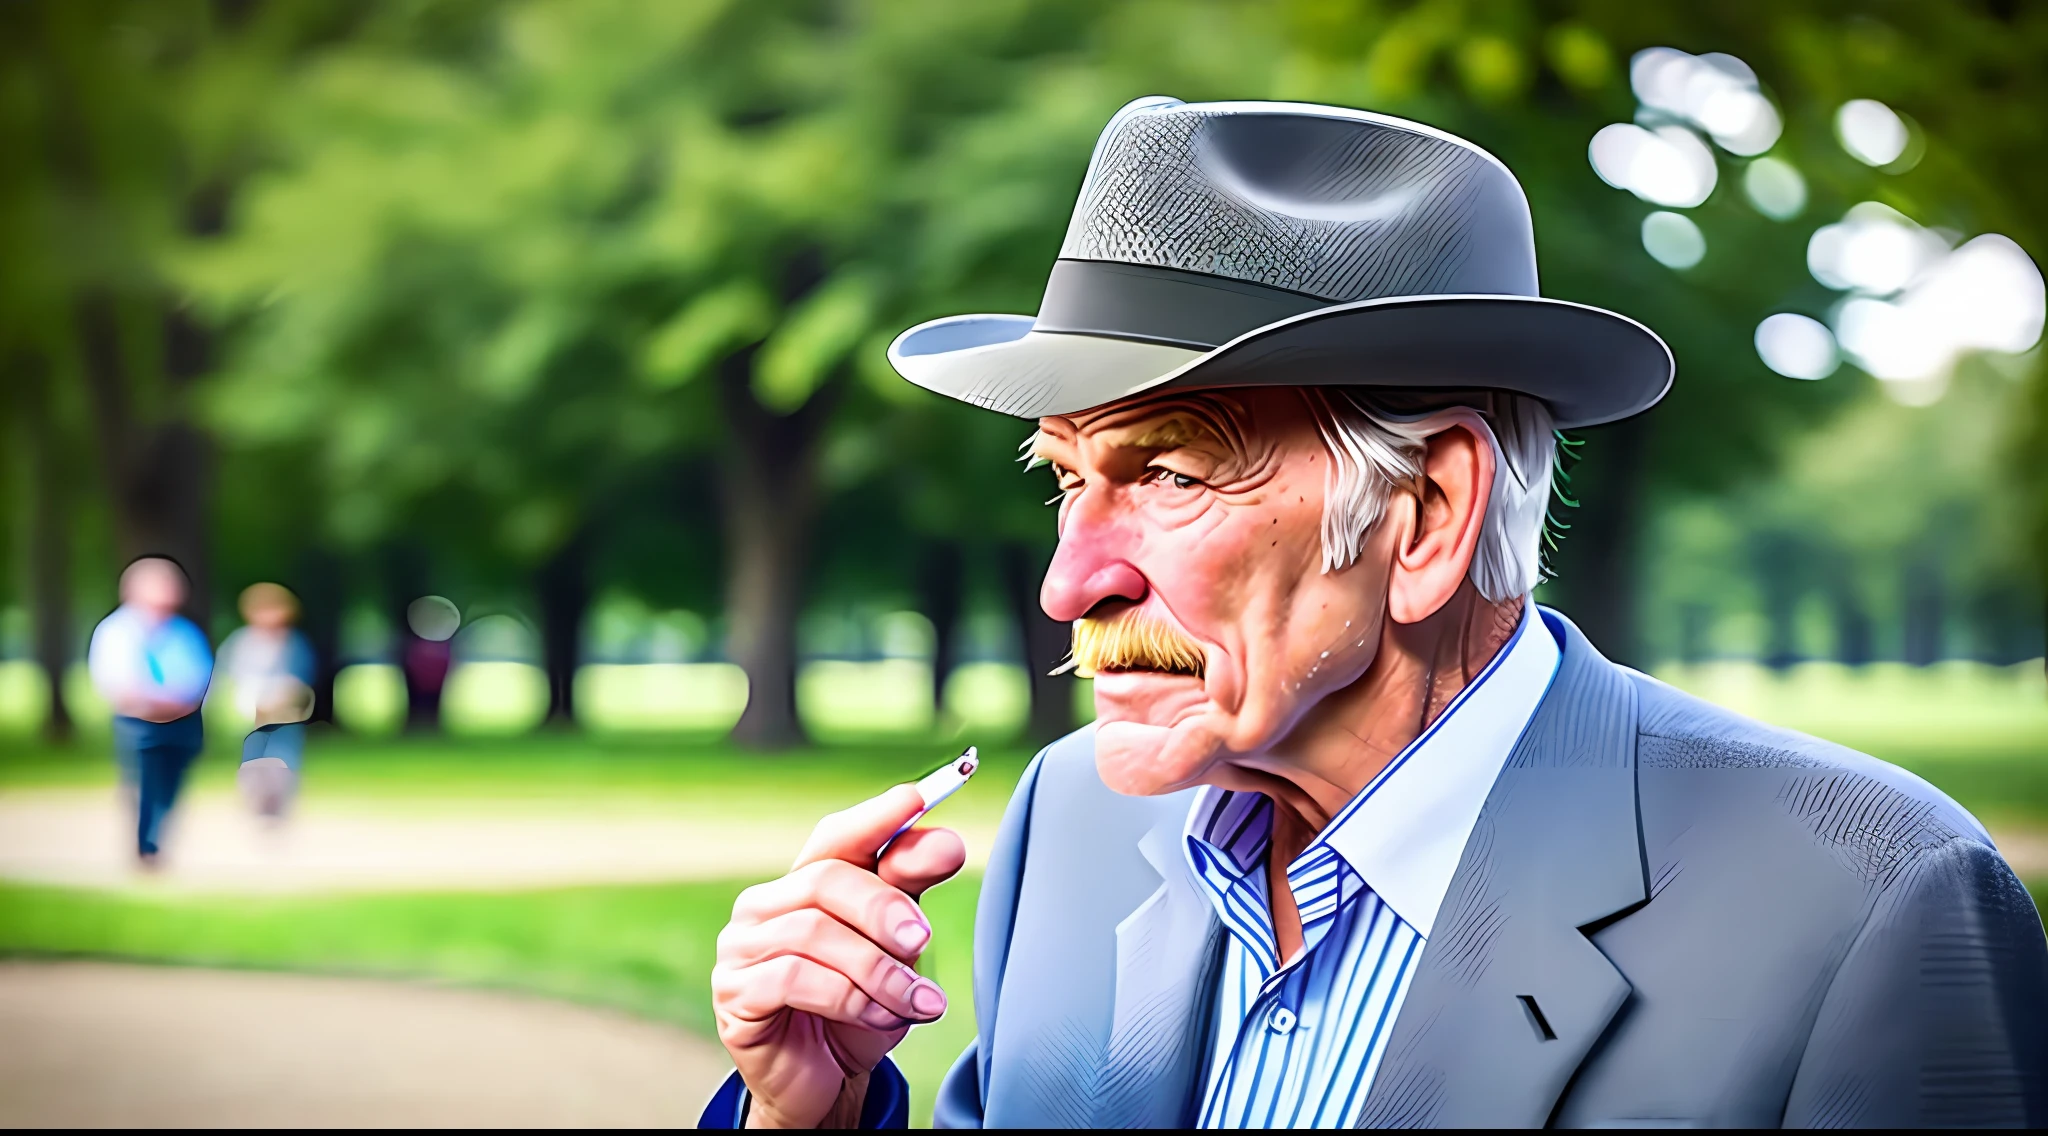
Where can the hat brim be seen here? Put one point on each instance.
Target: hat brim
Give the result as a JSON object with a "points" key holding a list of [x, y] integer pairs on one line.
{"points": [[1588, 365]]}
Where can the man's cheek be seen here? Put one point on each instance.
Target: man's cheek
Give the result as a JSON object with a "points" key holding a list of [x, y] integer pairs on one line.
{"points": [[1261, 718], [1204, 573]]}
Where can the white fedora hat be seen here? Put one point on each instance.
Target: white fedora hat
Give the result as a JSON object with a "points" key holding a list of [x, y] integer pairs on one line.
{"points": [[1242, 244]]}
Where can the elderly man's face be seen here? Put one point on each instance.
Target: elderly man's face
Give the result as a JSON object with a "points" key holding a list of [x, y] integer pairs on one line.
{"points": [[1203, 514]]}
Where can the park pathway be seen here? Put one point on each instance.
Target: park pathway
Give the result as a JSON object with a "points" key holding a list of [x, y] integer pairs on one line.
{"points": [[85, 838], [103, 1045], [82, 838]]}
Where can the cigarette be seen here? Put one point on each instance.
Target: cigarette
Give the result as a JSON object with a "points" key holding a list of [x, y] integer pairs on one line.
{"points": [[936, 786]]}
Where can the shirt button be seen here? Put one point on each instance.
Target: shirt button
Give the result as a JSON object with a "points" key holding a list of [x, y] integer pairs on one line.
{"points": [[1282, 1020]]}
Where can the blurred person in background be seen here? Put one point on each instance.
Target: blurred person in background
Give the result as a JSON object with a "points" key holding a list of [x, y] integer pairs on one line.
{"points": [[153, 666], [269, 665]]}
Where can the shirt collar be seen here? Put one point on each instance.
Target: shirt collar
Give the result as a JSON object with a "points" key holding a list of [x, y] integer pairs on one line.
{"points": [[1404, 833]]}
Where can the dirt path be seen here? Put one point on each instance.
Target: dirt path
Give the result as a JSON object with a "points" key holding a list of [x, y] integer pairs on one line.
{"points": [[102, 1045], [84, 838]]}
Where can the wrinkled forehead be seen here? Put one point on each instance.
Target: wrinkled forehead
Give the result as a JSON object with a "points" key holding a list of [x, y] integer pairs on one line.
{"points": [[1226, 422]]}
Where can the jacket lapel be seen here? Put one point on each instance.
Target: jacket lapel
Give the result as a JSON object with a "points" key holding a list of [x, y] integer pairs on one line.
{"points": [[1511, 995], [1166, 955]]}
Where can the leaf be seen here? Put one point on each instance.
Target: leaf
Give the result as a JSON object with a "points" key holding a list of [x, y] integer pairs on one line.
{"points": [[708, 328], [533, 528], [520, 351], [1580, 57], [1492, 69], [871, 364], [812, 340]]}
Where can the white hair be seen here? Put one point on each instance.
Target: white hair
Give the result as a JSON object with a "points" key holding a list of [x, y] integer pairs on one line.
{"points": [[1376, 440]]}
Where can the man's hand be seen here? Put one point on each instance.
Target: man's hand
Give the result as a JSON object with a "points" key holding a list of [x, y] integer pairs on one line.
{"points": [[813, 984]]}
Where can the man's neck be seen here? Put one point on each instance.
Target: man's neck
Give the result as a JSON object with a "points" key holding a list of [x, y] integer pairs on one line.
{"points": [[1354, 733]]}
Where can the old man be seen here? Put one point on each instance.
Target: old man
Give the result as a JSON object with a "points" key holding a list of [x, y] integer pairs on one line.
{"points": [[1362, 836]]}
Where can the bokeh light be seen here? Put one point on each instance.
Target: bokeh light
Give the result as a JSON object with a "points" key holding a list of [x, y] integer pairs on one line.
{"points": [[1871, 132], [1715, 92], [1672, 240], [1661, 156], [1796, 346], [433, 618], [1666, 166], [1775, 187], [1874, 249], [1985, 296]]}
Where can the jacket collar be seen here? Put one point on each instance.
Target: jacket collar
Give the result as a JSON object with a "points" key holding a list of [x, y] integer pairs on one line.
{"points": [[1167, 955], [1511, 995]]}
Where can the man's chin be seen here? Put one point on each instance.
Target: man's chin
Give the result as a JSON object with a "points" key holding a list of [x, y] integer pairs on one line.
{"points": [[1153, 731], [1142, 760]]}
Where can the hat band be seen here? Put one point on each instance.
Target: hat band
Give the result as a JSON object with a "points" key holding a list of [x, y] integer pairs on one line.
{"points": [[1161, 305]]}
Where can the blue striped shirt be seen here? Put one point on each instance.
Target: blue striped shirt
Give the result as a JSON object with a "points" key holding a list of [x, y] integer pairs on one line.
{"points": [[1297, 1042]]}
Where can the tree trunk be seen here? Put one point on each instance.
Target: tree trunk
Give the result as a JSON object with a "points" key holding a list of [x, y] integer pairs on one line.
{"points": [[1775, 556], [1597, 563], [318, 584], [769, 498], [1046, 642], [563, 588], [940, 584], [49, 543], [1695, 621], [157, 476], [1925, 618], [1854, 641]]}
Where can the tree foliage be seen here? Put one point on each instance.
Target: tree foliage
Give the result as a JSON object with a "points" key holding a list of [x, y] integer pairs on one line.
{"points": [[543, 297]]}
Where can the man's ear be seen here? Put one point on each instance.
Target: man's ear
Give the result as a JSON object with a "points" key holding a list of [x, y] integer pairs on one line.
{"points": [[1435, 553]]}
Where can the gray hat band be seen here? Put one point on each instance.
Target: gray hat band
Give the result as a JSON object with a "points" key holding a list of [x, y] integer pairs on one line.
{"points": [[1161, 305]]}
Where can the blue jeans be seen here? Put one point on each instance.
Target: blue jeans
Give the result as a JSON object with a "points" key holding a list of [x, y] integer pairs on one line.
{"points": [[285, 741], [154, 756]]}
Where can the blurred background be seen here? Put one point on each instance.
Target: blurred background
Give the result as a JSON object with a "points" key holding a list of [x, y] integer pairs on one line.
{"points": [[538, 348]]}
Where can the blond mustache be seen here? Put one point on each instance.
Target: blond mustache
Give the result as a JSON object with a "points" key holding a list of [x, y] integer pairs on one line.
{"points": [[1132, 643]]}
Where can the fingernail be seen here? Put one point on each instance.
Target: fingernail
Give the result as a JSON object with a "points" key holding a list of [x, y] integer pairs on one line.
{"points": [[901, 979], [927, 999], [913, 934], [880, 1017]]}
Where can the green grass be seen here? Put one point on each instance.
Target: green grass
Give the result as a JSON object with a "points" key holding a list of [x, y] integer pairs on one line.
{"points": [[646, 950], [838, 701], [574, 771]]}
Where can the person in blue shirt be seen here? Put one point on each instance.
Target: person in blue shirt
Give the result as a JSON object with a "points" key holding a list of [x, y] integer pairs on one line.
{"points": [[153, 667], [269, 667]]}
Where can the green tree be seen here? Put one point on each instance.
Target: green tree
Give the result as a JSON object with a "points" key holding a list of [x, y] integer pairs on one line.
{"points": [[491, 273]]}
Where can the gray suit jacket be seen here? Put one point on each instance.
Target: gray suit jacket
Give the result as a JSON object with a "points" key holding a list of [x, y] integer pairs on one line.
{"points": [[1668, 915]]}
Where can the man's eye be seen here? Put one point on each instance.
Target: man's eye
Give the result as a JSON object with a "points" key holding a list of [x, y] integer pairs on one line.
{"points": [[1183, 481], [1178, 480]]}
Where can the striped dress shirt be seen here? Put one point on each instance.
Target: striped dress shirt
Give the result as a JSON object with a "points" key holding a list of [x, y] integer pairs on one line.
{"points": [[1297, 1041]]}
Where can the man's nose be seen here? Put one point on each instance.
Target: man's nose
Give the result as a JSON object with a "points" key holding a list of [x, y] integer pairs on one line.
{"points": [[1082, 575]]}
